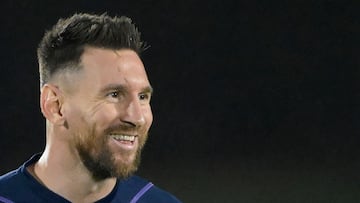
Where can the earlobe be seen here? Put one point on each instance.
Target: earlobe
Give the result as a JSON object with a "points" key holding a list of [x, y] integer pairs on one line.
{"points": [[51, 104]]}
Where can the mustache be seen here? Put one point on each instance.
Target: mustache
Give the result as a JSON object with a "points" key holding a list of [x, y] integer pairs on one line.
{"points": [[121, 128]]}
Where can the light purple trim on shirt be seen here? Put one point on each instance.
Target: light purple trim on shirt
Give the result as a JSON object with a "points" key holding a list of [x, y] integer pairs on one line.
{"points": [[4, 200], [141, 192]]}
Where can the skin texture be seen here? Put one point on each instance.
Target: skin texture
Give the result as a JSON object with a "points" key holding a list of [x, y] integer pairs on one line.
{"points": [[110, 95]]}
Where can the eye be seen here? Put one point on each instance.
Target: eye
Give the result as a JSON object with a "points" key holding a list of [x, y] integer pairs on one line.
{"points": [[144, 97], [113, 94]]}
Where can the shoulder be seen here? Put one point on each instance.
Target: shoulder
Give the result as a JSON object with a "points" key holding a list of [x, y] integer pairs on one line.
{"points": [[156, 194], [145, 191], [18, 185], [11, 184], [9, 179], [17, 177]]}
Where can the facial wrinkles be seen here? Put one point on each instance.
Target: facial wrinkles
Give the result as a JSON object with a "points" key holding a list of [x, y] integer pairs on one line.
{"points": [[99, 106], [93, 103]]}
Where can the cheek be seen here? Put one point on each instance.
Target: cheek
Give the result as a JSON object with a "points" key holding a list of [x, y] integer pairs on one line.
{"points": [[149, 117], [75, 118], [104, 115]]}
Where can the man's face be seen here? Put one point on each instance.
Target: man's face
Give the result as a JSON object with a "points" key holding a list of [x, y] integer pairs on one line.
{"points": [[108, 111]]}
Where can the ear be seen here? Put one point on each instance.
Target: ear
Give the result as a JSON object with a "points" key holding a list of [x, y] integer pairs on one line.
{"points": [[51, 104]]}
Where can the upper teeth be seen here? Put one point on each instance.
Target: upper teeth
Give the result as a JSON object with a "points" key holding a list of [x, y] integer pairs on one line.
{"points": [[124, 137]]}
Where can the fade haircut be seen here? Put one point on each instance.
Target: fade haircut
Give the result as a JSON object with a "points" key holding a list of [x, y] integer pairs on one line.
{"points": [[62, 46]]}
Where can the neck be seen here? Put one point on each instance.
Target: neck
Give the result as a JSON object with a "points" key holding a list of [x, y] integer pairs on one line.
{"points": [[62, 171]]}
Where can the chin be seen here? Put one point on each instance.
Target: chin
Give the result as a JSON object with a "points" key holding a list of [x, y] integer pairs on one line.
{"points": [[124, 159], [126, 166]]}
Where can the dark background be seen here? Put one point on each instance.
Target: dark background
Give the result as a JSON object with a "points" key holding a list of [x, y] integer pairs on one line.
{"points": [[255, 101]]}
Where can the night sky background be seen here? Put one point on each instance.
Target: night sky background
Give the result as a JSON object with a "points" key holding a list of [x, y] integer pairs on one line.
{"points": [[255, 101]]}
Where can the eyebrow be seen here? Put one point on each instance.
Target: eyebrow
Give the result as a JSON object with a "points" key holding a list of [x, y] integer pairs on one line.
{"points": [[122, 88], [148, 89]]}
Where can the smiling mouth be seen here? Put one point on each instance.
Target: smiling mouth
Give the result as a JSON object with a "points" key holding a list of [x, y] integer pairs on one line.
{"points": [[124, 138]]}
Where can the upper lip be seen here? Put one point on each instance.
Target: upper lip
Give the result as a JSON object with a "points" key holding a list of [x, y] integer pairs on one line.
{"points": [[126, 134]]}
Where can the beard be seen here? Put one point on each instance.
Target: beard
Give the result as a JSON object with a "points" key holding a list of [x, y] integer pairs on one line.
{"points": [[97, 157]]}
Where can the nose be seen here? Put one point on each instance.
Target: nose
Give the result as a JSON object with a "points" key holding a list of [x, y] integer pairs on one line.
{"points": [[133, 113]]}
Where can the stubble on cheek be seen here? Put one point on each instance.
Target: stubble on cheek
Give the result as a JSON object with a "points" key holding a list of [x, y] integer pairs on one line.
{"points": [[93, 154], [96, 155]]}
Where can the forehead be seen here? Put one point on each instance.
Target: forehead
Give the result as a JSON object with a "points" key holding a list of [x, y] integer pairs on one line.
{"points": [[94, 53], [104, 66], [107, 59]]}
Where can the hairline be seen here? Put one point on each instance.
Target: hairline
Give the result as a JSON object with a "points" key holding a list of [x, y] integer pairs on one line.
{"points": [[62, 77]]}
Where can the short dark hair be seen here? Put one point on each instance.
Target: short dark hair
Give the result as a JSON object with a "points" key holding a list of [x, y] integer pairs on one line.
{"points": [[62, 46]]}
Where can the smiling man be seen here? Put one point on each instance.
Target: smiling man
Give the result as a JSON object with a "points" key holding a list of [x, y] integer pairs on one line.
{"points": [[95, 96]]}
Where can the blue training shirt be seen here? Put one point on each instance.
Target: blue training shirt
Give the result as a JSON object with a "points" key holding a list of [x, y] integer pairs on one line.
{"points": [[19, 186]]}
